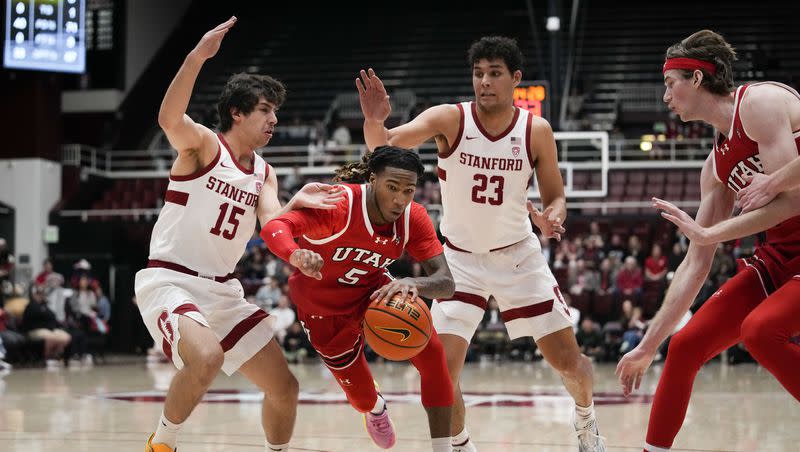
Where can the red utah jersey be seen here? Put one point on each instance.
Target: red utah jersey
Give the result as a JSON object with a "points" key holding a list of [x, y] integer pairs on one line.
{"points": [[736, 156], [356, 252]]}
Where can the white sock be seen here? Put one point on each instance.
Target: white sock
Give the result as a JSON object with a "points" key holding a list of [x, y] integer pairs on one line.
{"points": [[650, 448], [441, 444], [277, 447], [460, 439], [380, 405], [584, 413], [166, 432]]}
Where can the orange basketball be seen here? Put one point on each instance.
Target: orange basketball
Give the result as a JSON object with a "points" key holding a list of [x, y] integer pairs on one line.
{"points": [[397, 329]]}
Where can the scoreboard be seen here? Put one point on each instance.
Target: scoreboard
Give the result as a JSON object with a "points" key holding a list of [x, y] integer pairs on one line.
{"points": [[533, 96], [45, 35]]}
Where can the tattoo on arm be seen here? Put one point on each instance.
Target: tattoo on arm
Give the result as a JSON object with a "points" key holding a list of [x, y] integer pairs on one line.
{"points": [[439, 282]]}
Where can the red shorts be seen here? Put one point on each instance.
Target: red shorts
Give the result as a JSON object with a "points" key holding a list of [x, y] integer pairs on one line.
{"points": [[775, 265], [337, 339]]}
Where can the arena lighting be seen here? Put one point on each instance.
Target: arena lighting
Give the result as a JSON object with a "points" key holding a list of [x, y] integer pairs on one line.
{"points": [[646, 145], [553, 23]]}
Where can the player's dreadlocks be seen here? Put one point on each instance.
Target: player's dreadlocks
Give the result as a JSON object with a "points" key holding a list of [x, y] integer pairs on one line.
{"points": [[374, 162]]}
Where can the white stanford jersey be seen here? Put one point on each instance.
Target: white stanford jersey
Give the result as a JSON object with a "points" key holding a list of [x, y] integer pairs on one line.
{"points": [[209, 216], [484, 184]]}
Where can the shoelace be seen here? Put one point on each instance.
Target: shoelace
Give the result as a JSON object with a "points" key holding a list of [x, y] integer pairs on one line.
{"points": [[381, 423], [587, 435]]}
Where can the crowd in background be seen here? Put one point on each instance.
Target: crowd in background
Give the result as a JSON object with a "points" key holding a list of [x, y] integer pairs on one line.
{"points": [[55, 320]]}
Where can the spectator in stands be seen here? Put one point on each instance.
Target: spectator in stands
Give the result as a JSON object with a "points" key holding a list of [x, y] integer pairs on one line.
{"points": [[616, 248], [605, 278], [582, 277], [272, 265], [655, 266], [596, 235], [284, 317], [633, 324], [629, 280], [268, 295], [636, 249], [592, 251], [47, 269], [80, 269], [296, 345], [40, 323], [11, 342], [590, 339], [84, 301], [491, 335], [6, 264], [4, 366], [675, 257], [255, 268], [103, 305]]}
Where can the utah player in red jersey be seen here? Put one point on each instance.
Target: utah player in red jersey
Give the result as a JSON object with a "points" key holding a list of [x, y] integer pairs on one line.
{"points": [[342, 257], [218, 189], [487, 152], [758, 129]]}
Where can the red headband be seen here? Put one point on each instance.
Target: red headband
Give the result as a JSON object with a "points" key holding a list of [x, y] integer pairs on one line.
{"points": [[689, 63]]}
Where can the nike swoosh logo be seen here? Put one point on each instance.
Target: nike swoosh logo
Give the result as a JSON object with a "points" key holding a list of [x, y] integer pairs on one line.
{"points": [[470, 138], [406, 334], [222, 164]]}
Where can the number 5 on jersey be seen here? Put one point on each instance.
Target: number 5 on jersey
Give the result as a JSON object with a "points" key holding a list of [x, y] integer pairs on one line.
{"points": [[352, 276]]}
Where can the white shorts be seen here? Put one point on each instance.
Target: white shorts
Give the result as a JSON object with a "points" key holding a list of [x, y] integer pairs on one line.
{"points": [[517, 277], [242, 328]]}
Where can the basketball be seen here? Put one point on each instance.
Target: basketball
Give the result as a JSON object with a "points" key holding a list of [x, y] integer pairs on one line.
{"points": [[397, 329]]}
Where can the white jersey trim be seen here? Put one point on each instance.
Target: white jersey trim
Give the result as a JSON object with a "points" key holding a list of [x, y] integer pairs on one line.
{"points": [[338, 234], [406, 223], [365, 214]]}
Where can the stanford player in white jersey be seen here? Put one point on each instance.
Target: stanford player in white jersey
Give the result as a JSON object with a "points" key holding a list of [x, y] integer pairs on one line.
{"points": [[218, 189], [488, 150]]}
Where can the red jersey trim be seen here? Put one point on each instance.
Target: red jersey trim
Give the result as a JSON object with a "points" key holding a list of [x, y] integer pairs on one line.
{"points": [[527, 312], [235, 160], [528, 128], [176, 197], [200, 173], [185, 308], [489, 136], [441, 173], [241, 329], [458, 136]]}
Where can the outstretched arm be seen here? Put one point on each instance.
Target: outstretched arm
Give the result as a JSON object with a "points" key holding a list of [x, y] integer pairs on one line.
{"points": [[279, 236], [437, 284], [716, 205], [313, 196], [438, 120], [186, 136]]}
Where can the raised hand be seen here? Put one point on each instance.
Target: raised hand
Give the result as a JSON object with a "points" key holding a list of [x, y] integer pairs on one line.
{"points": [[210, 42], [757, 193], [631, 368], [549, 224], [307, 262], [373, 97], [318, 196], [693, 231]]}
